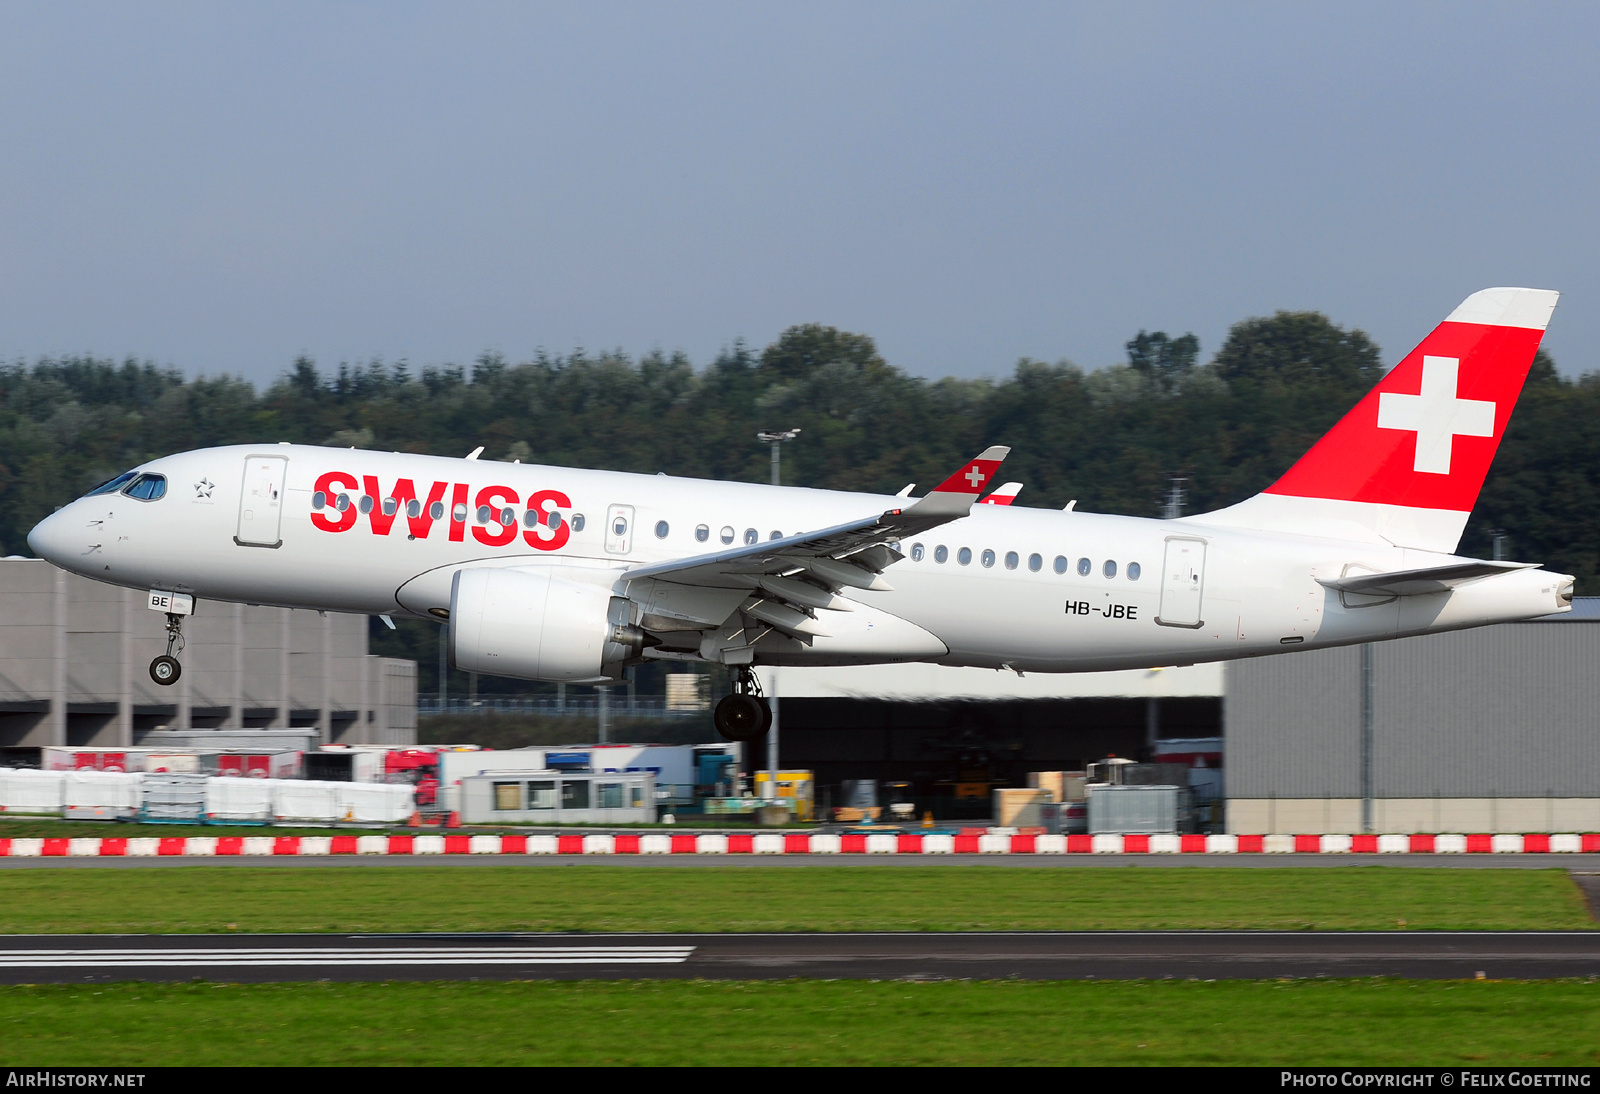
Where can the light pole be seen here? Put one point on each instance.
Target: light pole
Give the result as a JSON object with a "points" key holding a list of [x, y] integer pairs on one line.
{"points": [[775, 438]]}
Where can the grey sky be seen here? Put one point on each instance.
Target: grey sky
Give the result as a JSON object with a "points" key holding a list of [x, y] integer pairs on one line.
{"points": [[221, 186]]}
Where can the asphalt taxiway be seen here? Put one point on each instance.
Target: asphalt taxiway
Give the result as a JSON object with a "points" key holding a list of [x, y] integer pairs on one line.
{"points": [[1106, 955]]}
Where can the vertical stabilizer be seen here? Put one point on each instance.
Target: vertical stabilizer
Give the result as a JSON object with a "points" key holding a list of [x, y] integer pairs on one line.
{"points": [[1406, 465]]}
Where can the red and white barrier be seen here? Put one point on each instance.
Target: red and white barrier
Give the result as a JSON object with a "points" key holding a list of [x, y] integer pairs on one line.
{"points": [[796, 843]]}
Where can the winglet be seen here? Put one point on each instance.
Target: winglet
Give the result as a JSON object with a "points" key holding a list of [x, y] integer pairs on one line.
{"points": [[1004, 494], [954, 497]]}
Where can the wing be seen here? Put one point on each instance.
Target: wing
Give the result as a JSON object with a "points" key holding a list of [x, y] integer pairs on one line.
{"points": [[785, 582]]}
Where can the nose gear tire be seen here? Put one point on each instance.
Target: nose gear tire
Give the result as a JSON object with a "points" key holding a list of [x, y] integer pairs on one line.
{"points": [[165, 670]]}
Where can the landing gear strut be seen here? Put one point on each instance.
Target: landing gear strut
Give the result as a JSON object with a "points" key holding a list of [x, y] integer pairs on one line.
{"points": [[165, 669], [744, 715]]}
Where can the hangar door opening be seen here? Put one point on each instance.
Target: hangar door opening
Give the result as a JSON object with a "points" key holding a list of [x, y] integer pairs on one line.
{"points": [[261, 501], [1183, 578]]}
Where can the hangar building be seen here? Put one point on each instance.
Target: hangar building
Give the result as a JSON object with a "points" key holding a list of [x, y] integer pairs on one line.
{"points": [[1489, 730], [1495, 729], [937, 727], [73, 671]]}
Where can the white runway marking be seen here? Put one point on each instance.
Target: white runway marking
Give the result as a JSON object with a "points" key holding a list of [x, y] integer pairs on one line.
{"points": [[330, 955]]}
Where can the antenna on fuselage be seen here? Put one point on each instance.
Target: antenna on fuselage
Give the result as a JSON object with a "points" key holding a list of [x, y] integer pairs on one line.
{"points": [[475, 453]]}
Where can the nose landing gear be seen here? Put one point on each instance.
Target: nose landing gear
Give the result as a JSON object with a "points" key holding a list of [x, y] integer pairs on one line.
{"points": [[744, 715], [165, 669]]}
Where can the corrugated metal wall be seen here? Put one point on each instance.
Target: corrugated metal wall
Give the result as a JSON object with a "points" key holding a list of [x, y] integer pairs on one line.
{"points": [[1506, 711]]}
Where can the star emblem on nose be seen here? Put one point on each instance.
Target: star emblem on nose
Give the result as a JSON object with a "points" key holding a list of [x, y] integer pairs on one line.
{"points": [[203, 488]]}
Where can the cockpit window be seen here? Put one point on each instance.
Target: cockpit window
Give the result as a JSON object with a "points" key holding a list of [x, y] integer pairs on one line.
{"points": [[111, 486], [147, 487]]}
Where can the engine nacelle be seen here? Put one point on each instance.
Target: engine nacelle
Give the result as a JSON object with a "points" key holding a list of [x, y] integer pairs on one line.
{"points": [[556, 623]]}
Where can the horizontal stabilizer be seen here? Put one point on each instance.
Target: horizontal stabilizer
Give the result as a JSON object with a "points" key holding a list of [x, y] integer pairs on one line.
{"points": [[1429, 579]]}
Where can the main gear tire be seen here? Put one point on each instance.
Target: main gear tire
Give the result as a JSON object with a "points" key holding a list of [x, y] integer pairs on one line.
{"points": [[743, 718]]}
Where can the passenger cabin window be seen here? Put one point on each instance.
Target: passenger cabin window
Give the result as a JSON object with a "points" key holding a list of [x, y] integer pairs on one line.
{"points": [[111, 486], [750, 536], [726, 535], [390, 507], [1109, 569], [458, 514], [940, 553], [342, 502], [1061, 564], [1035, 563], [1133, 571], [483, 514], [619, 527], [436, 510], [413, 508], [774, 534], [507, 517], [702, 533], [964, 556], [916, 552], [662, 529], [577, 522], [1084, 566], [319, 500], [1011, 560], [366, 503]]}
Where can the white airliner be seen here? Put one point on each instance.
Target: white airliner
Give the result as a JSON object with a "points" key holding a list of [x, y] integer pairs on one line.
{"points": [[562, 574]]}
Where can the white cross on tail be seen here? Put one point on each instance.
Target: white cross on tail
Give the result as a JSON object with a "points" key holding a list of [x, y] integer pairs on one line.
{"points": [[974, 476], [1435, 415]]}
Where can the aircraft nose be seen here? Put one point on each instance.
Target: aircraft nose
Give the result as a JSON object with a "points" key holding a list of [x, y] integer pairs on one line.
{"points": [[52, 537]]}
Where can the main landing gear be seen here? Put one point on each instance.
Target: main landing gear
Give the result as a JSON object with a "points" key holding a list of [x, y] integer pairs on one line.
{"points": [[165, 669], [744, 715]]}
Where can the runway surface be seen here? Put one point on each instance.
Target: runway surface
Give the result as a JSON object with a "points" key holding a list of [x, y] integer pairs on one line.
{"points": [[1575, 862], [1110, 955]]}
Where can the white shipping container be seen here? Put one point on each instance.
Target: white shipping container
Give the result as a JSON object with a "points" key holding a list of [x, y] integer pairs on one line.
{"points": [[305, 801], [239, 799], [101, 795], [27, 791], [376, 803]]}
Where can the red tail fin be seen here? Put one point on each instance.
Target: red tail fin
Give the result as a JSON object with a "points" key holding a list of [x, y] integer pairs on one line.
{"points": [[1408, 462]]}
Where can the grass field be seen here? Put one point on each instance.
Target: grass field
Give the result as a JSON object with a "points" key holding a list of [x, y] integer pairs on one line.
{"points": [[1306, 1022], [584, 897]]}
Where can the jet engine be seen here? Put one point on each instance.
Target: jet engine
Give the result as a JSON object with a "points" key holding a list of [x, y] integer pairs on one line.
{"points": [[544, 623]]}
